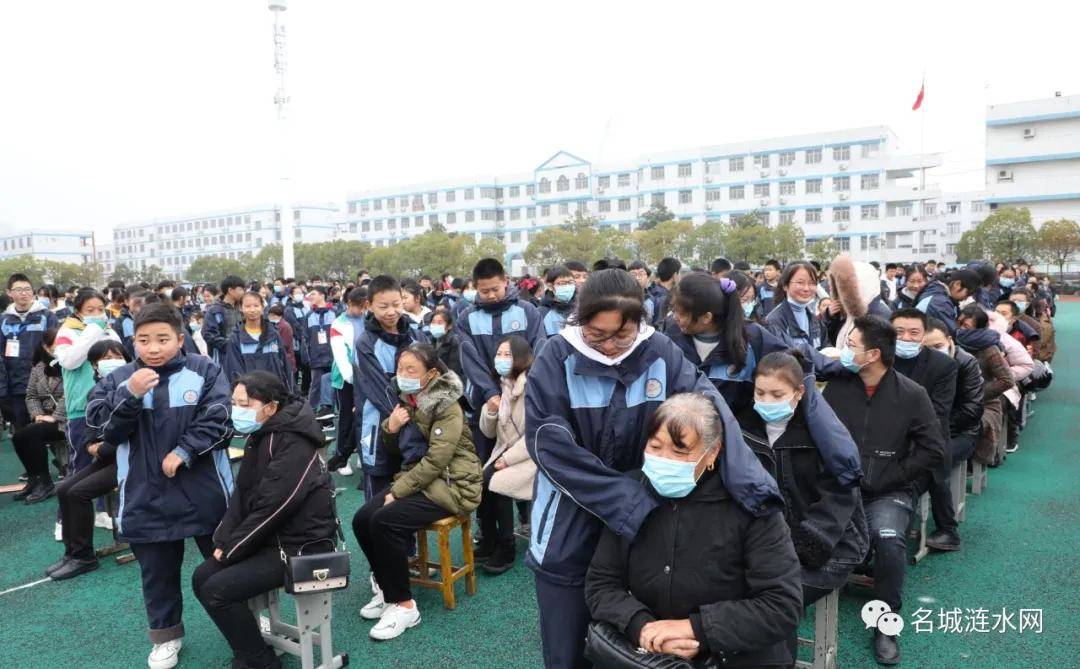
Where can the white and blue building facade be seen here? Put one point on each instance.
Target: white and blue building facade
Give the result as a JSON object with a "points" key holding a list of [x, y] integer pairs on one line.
{"points": [[854, 186], [173, 244], [76, 247]]}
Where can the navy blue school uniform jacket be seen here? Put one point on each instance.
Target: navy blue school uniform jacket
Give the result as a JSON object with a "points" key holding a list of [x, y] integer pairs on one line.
{"points": [[124, 325], [656, 299], [588, 428], [187, 413], [374, 397], [20, 336], [934, 301], [798, 325], [766, 297], [245, 353], [317, 329], [553, 315], [481, 329], [221, 317], [296, 316]]}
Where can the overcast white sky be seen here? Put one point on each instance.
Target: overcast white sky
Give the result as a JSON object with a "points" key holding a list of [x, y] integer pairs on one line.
{"points": [[120, 111]]}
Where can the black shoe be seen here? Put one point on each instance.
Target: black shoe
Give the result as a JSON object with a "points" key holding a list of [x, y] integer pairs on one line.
{"points": [[484, 551], [26, 490], [886, 649], [324, 413], [943, 540], [1013, 448], [73, 568], [43, 490], [500, 562], [56, 565]]}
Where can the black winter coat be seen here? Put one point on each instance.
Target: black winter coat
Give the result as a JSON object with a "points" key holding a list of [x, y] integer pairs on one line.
{"points": [[936, 373], [826, 519], [702, 557], [283, 491], [967, 408], [899, 438], [448, 348]]}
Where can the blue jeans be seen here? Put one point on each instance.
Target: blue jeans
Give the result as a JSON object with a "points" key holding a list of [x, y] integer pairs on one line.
{"points": [[889, 517]]}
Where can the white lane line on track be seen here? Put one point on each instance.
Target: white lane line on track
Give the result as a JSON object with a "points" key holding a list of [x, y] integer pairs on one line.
{"points": [[25, 586]]}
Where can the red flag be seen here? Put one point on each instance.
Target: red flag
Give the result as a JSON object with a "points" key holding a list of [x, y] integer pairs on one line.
{"points": [[918, 100]]}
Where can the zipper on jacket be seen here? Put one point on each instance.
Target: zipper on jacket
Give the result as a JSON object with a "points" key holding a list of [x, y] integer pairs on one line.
{"points": [[544, 516], [671, 557]]}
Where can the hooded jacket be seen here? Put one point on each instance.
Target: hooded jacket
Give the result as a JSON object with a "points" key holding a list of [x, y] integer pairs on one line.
{"points": [[374, 397], [588, 427], [448, 471], [857, 286], [124, 325], [218, 323], [296, 314], [553, 314], [186, 414], [482, 327], [283, 492], [21, 334], [245, 353], [733, 574], [658, 296], [317, 326], [934, 301], [73, 342]]}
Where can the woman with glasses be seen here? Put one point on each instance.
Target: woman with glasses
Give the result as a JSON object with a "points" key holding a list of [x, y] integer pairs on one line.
{"points": [[592, 391], [795, 316]]}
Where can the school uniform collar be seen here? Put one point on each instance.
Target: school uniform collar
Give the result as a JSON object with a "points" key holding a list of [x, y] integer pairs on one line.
{"points": [[572, 334]]}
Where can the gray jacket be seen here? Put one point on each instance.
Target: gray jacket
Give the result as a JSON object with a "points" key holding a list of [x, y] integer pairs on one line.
{"points": [[45, 396]]}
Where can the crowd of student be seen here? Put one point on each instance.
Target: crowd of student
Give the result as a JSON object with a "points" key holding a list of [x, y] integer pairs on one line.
{"points": [[684, 485]]}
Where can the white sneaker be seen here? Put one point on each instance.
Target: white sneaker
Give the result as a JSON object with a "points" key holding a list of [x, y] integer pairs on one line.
{"points": [[394, 621], [165, 655], [374, 609], [345, 471], [102, 520], [58, 532]]}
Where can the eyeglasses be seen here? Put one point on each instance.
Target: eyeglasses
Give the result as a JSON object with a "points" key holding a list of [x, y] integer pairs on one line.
{"points": [[802, 284], [619, 342], [21, 290]]}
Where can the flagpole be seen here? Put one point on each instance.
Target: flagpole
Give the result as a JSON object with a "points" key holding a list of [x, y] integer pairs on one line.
{"points": [[922, 137]]}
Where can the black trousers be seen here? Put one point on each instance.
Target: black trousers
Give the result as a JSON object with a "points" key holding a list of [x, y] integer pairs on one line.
{"points": [[941, 498], [160, 564], [224, 590], [76, 494], [496, 513], [564, 621], [384, 533], [346, 422], [13, 408], [305, 376], [32, 446]]}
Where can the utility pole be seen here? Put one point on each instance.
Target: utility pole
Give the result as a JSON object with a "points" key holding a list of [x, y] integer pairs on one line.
{"points": [[281, 101]]}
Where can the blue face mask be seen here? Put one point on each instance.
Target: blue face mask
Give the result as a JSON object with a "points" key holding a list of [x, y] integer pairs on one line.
{"points": [[243, 420], [671, 478], [907, 349], [847, 359], [106, 367], [437, 331], [1022, 306], [407, 385], [43, 301], [774, 412], [1006, 282], [469, 295], [503, 366], [748, 309], [565, 293]]}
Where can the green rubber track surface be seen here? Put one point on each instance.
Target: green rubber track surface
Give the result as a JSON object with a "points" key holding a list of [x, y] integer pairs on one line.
{"points": [[1021, 545]]}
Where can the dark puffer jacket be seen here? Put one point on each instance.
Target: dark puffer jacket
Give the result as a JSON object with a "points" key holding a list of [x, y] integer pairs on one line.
{"points": [[703, 558], [283, 491]]}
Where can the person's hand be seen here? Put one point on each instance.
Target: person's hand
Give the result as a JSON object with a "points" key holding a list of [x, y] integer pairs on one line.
{"points": [[655, 634], [388, 499], [217, 554], [500, 463], [93, 449], [46, 419], [170, 464], [835, 307], [398, 417], [687, 648], [493, 404], [143, 381]]}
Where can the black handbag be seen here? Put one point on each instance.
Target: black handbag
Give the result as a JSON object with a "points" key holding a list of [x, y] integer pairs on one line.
{"points": [[608, 648], [317, 572]]}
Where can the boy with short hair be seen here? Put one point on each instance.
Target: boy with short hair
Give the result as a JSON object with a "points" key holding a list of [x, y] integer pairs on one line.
{"points": [[168, 414], [22, 326], [320, 357]]}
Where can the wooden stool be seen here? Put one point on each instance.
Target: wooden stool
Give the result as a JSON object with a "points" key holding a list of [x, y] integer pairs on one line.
{"points": [[448, 573], [958, 487], [824, 641], [314, 611]]}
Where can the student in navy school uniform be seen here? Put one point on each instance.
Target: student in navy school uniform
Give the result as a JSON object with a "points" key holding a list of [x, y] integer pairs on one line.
{"points": [[296, 313], [320, 357], [255, 345], [767, 290], [22, 326], [559, 303], [168, 414], [794, 318], [641, 273], [498, 312], [222, 317], [602, 378], [667, 273]]}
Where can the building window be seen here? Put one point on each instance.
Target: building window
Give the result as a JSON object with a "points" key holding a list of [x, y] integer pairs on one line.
{"points": [[657, 172], [530, 190], [564, 208], [761, 161], [432, 198], [470, 216], [841, 184], [869, 182], [712, 195], [787, 216], [686, 197], [392, 224], [685, 169], [545, 185], [813, 186], [841, 214], [451, 195], [603, 182], [515, 191], [624, 180], [530, 212], [868, 212], [433, 219], [378, 226], [562, 183], [581, 182], [712, 167], [813, 216], [952, 228], [487, 215], [841, 153], [469, 193], [657, 199], [515, 214], [624, 204], [604, 206], [953, 207], [487, 193], [735, 164], [515, 237], [787, 158], [843, 243], [929, 208], [870, 150], [761, 190], [813, 156], [352, 207], [736, 192], [787, 188], [545, 211], [365, 226], [977, 207], [451, 217]]}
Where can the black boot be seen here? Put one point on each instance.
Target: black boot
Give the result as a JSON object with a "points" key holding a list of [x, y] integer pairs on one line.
{"points": [[886, 649], [501, 560], [27, 489], [944, 540], [484, 551], [43, 490]]}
